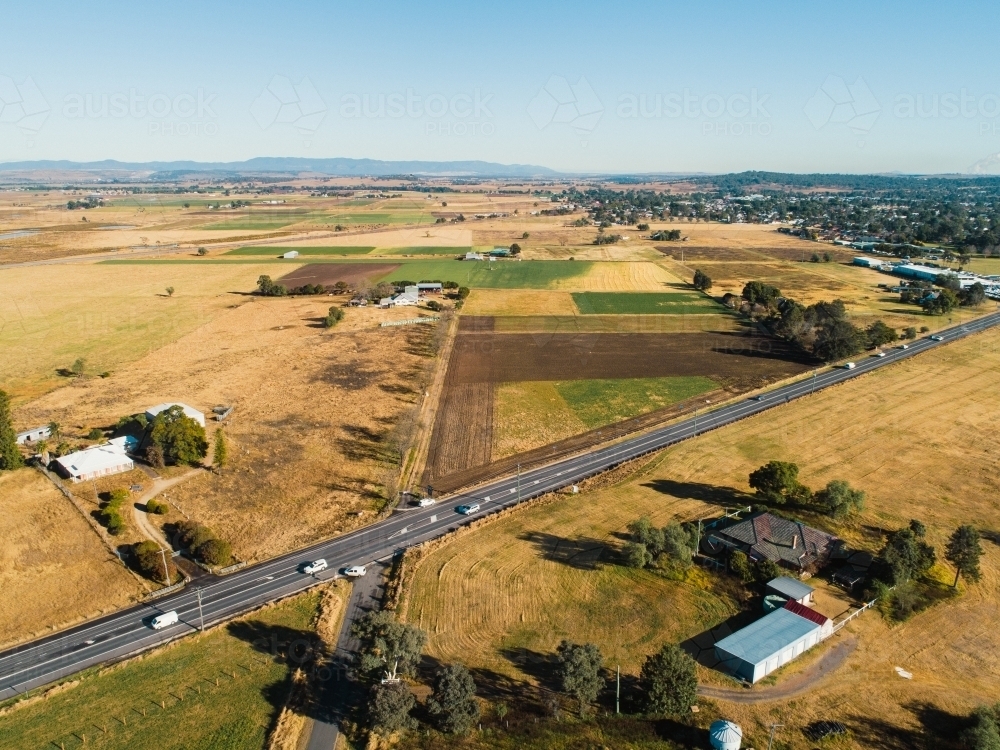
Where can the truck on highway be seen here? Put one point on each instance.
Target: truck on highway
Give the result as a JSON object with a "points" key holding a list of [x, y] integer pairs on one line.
{"points": [[161, 621]]}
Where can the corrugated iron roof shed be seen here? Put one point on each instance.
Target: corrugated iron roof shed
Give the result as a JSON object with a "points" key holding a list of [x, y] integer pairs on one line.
{"points": [[766, 637], [803, 611], [790, 587]]}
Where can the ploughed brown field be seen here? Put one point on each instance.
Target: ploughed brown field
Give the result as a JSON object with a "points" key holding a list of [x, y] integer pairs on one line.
{"points": [[460, 450], [731, 358], [330, 273]]}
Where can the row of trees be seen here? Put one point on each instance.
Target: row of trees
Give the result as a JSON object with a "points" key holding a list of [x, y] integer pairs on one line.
{"points": [[391, 651], [822, 328], [110, 513], [10, 454], [666, 235], [777, 483]]}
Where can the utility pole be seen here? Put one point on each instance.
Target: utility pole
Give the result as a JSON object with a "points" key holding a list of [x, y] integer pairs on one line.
{"points": [[618, 690], [166, 573], [771, 741], [201, 615]]}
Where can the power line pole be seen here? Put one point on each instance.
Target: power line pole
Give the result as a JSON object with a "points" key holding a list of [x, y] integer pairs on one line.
{"points": [[771, 741], [618, 690], [166, 573], [201, 614]]}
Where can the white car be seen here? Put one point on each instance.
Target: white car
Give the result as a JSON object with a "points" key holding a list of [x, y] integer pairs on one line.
{"points": [[161, 621], [469, 509], [316, 566], [935, 337], [355, 571], [426, 502], [850, 366], [904, 346], [880, 354]]}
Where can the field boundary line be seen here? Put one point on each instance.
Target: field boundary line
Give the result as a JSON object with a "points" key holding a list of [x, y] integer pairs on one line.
{"points": [[101, 533], [432, 402]]}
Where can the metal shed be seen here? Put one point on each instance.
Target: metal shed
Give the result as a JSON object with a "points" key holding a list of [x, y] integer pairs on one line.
{"points": [[771, 642], [791, 588]]}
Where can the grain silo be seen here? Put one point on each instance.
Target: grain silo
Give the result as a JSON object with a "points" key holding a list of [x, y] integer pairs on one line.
{"points": [[725, 735]]}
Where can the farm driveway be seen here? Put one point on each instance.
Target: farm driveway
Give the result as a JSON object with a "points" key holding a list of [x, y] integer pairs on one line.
{"points": [[796, 685], [148, 529]]}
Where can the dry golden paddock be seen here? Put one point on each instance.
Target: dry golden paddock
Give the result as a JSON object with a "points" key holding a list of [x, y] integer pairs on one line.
{"points": [[920, 437]]}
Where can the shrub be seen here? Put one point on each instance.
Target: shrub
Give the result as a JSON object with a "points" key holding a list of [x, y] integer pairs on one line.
{"points": [[334, 316], [434, 305], [95, 434], [214, 552], [156, 507]]}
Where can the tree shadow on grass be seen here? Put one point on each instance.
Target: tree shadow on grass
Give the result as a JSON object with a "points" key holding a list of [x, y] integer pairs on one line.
{"points": [[543, 667], [581, 553], [362, 443], [939, 729], [712, 494]]}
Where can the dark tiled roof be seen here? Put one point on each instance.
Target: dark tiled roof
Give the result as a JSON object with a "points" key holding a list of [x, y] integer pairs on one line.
{"points": [[780, 540]]}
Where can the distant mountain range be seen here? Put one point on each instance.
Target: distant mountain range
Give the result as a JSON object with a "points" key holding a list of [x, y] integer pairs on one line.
{"points": [[338, 167]]}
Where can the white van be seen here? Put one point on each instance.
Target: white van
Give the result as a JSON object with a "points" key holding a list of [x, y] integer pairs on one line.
{"points": [[850, 366], [316, 566], [161, 621]]}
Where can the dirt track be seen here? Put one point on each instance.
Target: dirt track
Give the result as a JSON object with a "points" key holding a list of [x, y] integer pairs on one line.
{"points": [[796, 685]]}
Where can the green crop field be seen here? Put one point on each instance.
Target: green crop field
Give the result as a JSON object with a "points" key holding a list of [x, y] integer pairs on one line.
{"points": [[536, 274], [425, 251], [276, 251], [600, 402], [645, 303], [262, 220], [184, 696]]}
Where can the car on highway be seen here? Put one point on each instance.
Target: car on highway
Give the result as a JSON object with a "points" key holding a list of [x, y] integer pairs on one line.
{"points": [[879, 354], [316, 566], [850, 366], [904, 346], [426, 502], [161, 621], [935, 337], [468, 510], [355, 571], [758, 397]]}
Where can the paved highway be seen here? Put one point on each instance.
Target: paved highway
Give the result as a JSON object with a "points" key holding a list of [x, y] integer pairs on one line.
{"points": [[127, 632]]}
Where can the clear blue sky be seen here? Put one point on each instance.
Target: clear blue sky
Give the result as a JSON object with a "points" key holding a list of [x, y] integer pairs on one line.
{"points": [[614, 87]]}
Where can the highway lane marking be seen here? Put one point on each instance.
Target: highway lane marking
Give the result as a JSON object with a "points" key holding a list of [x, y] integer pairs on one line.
{"points": [[599, 460]]}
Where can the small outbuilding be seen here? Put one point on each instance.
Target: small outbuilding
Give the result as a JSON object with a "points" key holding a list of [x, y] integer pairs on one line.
{"points": [[291, 254], [792, 589], [429, 286], [33, 436], [196, 415]]}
